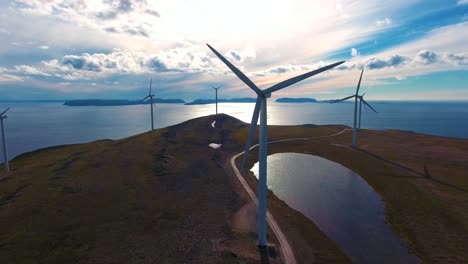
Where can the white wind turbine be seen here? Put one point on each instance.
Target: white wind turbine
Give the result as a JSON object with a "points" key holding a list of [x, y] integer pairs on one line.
{"points": [[261, 106], [5, 153], [356, 97], [150, 96], [361, 101], [216, 91]]}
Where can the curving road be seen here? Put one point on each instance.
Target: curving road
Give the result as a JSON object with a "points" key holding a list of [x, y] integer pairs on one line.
{"points": [[287, 252]]}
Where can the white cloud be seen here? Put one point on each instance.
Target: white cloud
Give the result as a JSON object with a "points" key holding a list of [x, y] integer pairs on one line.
{"points": [[462, 2], [4, 31], [43, 47], [9, 78], [29, 70], [384, 22], [442, 49], [188, 58], [134, 38], [206, 21], [132, 17]]}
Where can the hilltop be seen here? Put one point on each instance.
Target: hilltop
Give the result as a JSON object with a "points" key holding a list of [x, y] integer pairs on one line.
{"points": [[165, 196], [161, 196]]}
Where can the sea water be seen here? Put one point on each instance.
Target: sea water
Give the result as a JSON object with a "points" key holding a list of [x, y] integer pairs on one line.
{"points": [[31, 126]]}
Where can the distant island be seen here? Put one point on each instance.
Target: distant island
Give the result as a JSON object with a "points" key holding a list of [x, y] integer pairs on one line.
{"points": [[296, 100], [114, 102], [232, 100], [301, 100]]}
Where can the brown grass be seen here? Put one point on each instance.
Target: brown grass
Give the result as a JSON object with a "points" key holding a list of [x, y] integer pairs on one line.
{"points": [[159, 197], [166, 197]]}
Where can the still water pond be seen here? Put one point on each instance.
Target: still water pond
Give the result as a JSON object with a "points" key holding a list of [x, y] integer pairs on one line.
{"points": [[340, 203]]}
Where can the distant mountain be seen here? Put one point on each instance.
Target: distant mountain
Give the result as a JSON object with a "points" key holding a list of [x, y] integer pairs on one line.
{"points": [[167, 101], [296, 100], [232, 100], [114, 102], [34, 101]]}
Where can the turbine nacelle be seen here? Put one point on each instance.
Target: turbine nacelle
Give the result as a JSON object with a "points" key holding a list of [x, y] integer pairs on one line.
{"points": [[2, 115]]}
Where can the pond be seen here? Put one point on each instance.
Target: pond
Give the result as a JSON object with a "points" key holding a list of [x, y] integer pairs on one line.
{"points": [[340, 203]]}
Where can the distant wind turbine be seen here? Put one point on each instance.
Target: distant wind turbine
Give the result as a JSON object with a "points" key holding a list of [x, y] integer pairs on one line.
{"points": [[261, 106], [361, 99], [5, 153], [216, 90], [150, 96]]}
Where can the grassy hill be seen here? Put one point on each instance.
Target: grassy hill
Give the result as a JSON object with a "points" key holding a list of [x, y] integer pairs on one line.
{"points": [[166, 197]]}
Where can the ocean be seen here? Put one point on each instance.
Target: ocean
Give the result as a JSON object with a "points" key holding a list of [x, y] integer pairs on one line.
{"points": [[31, 126]]}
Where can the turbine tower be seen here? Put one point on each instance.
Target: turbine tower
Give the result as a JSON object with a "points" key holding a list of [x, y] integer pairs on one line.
{"points": [[5, 153], [150, 96], [216, 91], [261, 108], [356, 97]]}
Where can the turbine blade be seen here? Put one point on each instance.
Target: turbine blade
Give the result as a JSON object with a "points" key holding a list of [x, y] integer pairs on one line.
{"points": [[359, 83], [145, 98], [151, 82], [236, 71], [5, 111], [299, 78], [346, 98], [365, 103], [216, 88], [253, 125], [365, 106]]}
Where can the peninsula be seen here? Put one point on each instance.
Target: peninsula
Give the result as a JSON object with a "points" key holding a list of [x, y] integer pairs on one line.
{"points": [[232, 100], [114, 102], [296, 100], [301, 100]]}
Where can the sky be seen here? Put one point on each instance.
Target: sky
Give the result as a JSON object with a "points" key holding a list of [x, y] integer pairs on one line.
{"points": [[109, 49]]}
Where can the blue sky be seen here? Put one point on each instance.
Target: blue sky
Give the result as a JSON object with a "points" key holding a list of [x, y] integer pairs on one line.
{"points": [[55, 49]]}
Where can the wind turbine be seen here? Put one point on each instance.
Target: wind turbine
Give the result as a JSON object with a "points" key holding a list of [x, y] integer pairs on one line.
{"points": [[150, 96], [361, 101], [216, 90], [356, 97], [5, 154], [261, 106]]}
